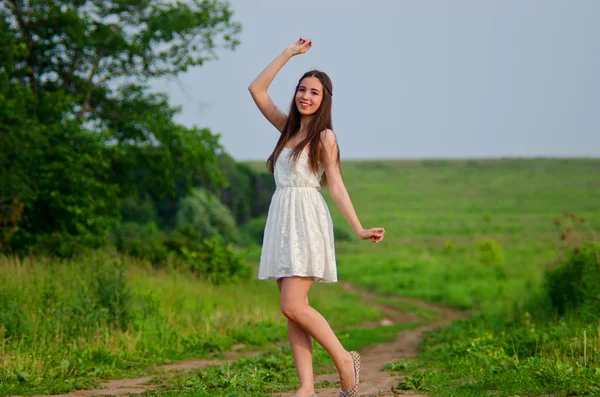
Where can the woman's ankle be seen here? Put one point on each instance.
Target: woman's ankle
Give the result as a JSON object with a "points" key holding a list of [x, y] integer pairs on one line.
{"points": [[346, 360], [305, 391]]}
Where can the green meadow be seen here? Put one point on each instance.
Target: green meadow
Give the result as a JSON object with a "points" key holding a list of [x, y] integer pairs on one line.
{"points": [[480, 235], [495, 237], [468, 233]]}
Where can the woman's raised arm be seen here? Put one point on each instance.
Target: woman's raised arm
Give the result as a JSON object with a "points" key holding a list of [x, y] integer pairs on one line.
{"points": [[258, 88]]}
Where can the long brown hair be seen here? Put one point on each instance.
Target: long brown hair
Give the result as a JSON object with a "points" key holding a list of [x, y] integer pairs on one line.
{"points": [[320, 121]]}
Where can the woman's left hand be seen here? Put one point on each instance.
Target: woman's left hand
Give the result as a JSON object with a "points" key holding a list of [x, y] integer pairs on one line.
{"points": [[375, 234]]}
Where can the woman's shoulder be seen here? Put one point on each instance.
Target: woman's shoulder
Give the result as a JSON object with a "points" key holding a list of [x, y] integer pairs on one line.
{"points": [[328, 137]]}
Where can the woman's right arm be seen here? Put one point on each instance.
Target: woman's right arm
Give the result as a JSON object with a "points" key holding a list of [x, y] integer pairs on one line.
{"points": [[258, 88]]}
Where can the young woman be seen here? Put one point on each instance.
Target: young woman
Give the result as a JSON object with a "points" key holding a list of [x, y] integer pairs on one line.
{"points": [[298, 245]]}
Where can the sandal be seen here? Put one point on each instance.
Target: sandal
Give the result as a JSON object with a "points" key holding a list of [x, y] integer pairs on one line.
{"points": [[354, 391]]}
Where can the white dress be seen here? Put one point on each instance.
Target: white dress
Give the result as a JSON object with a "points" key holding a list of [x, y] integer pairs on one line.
{"points": [[298, 238]]}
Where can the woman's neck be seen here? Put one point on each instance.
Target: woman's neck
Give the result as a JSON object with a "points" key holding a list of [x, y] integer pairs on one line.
{"points": [[304, 122]]}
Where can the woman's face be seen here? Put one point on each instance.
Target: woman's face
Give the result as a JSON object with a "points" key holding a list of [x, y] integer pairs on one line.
{"points": [[309, 95]]}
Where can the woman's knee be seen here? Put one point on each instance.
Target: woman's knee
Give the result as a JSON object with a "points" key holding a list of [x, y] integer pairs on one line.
{"points": [[292, 309]]}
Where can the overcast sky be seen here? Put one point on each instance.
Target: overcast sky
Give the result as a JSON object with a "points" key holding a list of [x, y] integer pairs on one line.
{"points": [[414, 79]]}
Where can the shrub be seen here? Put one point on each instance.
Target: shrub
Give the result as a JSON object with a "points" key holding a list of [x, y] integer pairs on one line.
{"points": [[490, 252], [342, 233], [140, 211], [210, 258], [141, 241], [575, 283], [244, 182], [217, 262], [206, 215], [253, 231]]}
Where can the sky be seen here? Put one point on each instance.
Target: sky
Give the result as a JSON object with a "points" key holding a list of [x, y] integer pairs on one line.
{"points": [[413, 78]]}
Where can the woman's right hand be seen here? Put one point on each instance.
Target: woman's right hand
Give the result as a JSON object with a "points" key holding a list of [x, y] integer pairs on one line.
{"points": [[300, 46]]}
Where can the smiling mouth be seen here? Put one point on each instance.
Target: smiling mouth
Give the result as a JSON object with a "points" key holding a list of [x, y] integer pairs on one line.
{"points": [[304, 105]]}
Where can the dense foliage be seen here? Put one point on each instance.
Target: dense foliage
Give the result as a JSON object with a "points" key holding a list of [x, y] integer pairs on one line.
{"points": [[79, 130]]}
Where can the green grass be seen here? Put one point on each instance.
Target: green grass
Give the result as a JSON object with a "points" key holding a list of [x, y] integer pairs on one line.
{"points": [[408, 307], [476, 234], [483, 356], [480, 234], [436, 212], [67, 324], [270, 372]]}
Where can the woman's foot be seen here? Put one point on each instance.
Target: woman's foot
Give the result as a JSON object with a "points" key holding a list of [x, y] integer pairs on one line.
{"points": [[350, 382], [347, 379], [301, 392]]}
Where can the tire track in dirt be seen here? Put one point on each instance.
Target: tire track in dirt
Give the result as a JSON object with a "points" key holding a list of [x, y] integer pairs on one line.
{"points": [[374, 382]]}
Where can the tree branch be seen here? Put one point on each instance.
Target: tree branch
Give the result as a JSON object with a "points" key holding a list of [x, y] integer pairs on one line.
{"points": [[86, 105]]}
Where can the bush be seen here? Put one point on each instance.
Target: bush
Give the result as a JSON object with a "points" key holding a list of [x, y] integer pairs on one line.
{"points": [[55, 176], [151, 249], [253, 232], [137, 230], [575, 283], [142, 210], [342, 233], [217, 262], [490, 252], [141, 241], [210, 258], [65, 245], [206, 215], [244, 182]]}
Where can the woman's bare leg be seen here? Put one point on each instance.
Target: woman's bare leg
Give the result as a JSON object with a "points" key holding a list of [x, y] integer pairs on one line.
{"points": [[294, 305], [302, 351]]}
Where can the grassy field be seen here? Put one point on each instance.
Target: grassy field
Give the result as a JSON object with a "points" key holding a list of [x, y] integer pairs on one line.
{"points": [[469, 233], [455, 228], [66, 325], [474, 234], [480, 234]]}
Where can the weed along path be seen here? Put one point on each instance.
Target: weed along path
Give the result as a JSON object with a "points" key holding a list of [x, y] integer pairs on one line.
{"points": [[374, 381]]}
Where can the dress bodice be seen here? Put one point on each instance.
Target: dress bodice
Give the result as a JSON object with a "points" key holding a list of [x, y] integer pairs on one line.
{"points": [[287, 174]]}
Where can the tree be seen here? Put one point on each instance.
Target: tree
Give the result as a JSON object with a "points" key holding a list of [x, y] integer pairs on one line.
{"points": [[78, 127]]}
